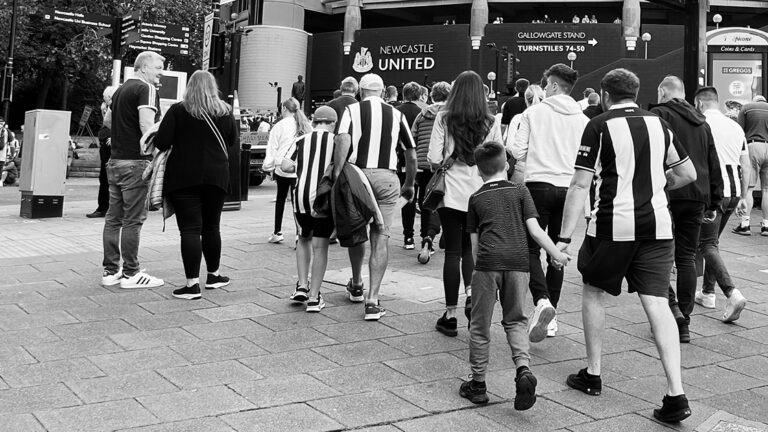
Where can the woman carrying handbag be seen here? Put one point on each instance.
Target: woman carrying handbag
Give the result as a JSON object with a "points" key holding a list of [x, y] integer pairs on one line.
{"points": [[200, 129], [462, 125]]}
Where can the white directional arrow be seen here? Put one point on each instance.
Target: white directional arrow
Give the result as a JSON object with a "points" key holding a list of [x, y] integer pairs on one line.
{"points": [[592, 41]]}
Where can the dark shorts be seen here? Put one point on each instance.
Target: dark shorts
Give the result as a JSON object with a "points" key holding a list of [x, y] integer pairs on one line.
{"points": [[646, 264], [314, 227]]}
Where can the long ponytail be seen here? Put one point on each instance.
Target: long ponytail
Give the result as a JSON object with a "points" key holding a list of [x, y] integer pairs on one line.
{"points": [[303, 126]]}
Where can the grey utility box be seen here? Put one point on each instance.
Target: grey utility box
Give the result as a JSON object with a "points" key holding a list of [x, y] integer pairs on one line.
{"points": [[44, 163]]}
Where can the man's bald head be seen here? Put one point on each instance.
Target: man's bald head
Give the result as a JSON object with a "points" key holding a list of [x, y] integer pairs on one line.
{"points": [[671, 87]]}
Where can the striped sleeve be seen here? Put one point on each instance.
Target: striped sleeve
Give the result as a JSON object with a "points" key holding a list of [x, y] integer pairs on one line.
{"points": [[406, 138], [676, 154], [345, 124], [148, 97], [586, 158]]}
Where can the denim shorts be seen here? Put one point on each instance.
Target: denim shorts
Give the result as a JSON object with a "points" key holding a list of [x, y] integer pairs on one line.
{"points": [[386, 189]]}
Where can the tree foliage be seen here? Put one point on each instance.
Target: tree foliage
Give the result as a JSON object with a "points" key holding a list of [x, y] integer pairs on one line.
{"points": [[62, 64]]}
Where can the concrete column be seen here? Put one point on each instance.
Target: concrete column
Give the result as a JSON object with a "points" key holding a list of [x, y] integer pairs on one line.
{"points": [[352, 23], [630, 23], [478, 21]]}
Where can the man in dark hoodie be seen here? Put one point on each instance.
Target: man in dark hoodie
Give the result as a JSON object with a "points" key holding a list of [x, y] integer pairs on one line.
{"points": [[692, 204]]}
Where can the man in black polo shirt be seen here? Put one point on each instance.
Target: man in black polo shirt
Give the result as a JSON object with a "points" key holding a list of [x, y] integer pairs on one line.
{"points": [[627, 151], [135, 109], [348, 89]]}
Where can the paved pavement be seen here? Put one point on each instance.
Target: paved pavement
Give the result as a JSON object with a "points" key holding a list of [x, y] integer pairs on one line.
{"points": [[75, 356]]}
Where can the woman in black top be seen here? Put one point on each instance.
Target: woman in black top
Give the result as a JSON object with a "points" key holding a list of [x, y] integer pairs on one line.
{"points": [[197, 176]]}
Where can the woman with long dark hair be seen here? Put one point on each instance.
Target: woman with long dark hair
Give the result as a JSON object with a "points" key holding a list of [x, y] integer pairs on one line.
{"points": [[199, 131], [281, 139], [464, 123]]}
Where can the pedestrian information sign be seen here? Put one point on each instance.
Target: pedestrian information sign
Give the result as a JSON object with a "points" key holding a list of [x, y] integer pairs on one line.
{"points": [[89, 19], [165, 38], [207, 36]]}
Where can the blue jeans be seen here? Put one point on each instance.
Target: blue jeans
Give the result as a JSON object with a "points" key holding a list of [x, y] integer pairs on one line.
{"points": [[550, 202], [709, 251], [127, 213]]}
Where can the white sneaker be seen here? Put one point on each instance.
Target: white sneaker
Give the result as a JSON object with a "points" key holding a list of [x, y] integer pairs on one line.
{"points": [[316, 305], [542, 315], [705, 300], [276, 238], [552, 327], [140, 280], [108, 279], [733, 306]]}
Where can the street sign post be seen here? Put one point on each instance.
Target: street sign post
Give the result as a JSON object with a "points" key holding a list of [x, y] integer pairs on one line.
{"points": [[207, 37]]}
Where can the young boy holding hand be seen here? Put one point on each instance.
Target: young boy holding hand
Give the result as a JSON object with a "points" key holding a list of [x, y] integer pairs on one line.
{"points": [[499, 214]]}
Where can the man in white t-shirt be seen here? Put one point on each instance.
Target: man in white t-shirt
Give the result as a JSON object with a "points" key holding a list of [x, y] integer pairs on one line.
{"points": [[731, 146]]}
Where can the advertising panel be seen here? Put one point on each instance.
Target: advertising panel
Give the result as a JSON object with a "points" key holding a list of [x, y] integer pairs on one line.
{"points": [[423, 54], [737, 78]]}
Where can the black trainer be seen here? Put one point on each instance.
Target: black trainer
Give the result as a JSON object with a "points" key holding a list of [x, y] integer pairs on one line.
{"points": [[408, 244], [678, 314], [300, 294], [216, 281], [355, 292], [447, 326], [525, 385], [673, 409], [685, 334], [589, 384], [475, 391], [741, 230], [188, 292]]}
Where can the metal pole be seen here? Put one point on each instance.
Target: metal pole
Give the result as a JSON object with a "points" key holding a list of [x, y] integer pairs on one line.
{"points": [[7, 90]]}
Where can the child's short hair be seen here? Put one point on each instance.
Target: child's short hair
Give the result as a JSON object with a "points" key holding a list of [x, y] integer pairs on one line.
{"points": [[490, 158]]}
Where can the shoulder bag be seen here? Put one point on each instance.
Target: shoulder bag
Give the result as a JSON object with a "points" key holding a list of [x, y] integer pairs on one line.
{"points": [[434, 192]]}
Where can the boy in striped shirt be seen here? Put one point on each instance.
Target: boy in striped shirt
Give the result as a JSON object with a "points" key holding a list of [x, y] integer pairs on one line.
{"points": [[312, 154]]}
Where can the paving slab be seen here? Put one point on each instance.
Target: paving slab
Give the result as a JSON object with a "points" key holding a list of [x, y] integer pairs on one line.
{"points": [[226, 329], [367, 408], [218, 350], [189, 404], [436, 396], [72, 348], [209, 374], [49, 372], [20, 422], [118, 387], [629, 422], [755, 366], [362, 378], [207, 424], [106, 416], [355, 353], [289, 363], [720, 380], [153, 338], [29, 399], [233, 312], [288, 418], [166, 320], [610, 403], [134, 361], [462, 421], [283, 390], [545, 415], [290, 340], [91, 329], [431, 367]]}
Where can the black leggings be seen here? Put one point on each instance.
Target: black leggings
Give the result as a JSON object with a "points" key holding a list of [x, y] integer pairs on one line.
{"points": [[285, 185], [198, 213], [458, 253]]}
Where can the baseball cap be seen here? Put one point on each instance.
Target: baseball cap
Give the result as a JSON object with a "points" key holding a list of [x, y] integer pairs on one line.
{"points": [[326, 114], [371, 81]]}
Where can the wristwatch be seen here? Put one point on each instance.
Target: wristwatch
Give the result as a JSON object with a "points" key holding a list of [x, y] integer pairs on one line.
{"points": [[566, 240]]}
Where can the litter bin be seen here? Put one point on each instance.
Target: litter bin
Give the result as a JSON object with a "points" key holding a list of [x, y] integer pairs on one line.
{"points": [[245, 167]]}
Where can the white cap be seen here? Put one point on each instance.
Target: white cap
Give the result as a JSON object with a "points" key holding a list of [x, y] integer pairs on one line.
{"points": [[371, 81]]}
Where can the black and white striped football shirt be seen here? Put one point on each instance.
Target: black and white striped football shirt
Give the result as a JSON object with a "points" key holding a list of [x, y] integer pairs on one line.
{"points": [[376, 129], [312, 153], [629, 150]]}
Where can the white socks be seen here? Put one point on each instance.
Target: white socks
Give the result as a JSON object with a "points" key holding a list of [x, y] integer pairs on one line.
{"points": [[193, 281]]}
